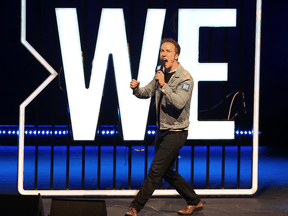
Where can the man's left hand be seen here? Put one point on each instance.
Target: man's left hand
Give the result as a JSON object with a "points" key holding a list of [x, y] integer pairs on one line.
{"points": [[160, 77]]}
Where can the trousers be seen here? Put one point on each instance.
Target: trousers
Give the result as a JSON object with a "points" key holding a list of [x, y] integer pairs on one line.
{"points": [[167, 145]]}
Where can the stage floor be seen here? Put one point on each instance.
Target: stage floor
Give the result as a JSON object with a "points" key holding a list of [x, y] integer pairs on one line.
{"points": [[267, 201]]}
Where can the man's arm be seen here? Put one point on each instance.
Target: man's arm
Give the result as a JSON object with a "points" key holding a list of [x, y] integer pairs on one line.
{"points": [[182, 95], [143, 92]]}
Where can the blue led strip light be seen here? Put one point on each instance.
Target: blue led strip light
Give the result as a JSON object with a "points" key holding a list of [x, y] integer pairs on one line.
{"points": [[105, 130]]}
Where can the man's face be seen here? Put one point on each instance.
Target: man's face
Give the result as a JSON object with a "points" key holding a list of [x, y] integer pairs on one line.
{"points": [[167, 52]]}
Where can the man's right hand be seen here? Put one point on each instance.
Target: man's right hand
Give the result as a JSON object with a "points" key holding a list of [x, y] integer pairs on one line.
{"points": [[134, 84]]}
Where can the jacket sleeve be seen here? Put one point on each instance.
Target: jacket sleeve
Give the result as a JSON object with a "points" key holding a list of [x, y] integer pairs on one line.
{"points": [[147, 91], [182, 94]]}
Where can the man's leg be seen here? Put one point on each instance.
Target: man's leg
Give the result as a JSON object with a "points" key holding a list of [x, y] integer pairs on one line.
{"points": [[181, 185], [169, 145]]}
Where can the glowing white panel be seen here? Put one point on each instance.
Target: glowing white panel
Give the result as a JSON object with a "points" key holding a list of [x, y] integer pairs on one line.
{"points": [[151, 45], [85, 103], [256, 97], [149, 56], [30, 98], [190, 20], [167, 192]]}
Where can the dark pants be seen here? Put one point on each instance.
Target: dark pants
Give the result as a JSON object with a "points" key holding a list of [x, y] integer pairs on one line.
{"points": [[166, 150]]}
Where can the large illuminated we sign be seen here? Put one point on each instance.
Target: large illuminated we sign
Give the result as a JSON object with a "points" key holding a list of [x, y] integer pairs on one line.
{"points": [[85, 103]]}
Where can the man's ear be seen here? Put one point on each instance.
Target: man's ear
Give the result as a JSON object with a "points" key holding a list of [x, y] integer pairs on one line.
{"points": [[177, 56]]}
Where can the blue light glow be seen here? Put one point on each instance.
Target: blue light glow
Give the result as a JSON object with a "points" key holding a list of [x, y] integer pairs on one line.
{"points": [[112, 131], [268, 167]]}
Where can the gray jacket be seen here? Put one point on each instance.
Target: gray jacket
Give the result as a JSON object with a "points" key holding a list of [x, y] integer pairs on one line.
{"points": [[175, 104]]}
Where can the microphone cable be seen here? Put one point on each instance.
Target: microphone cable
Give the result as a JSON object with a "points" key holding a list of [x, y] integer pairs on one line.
{"points": [[230, 107]]}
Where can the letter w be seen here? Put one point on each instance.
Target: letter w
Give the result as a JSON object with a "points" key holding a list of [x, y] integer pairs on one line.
{"points": [[85, 103]]}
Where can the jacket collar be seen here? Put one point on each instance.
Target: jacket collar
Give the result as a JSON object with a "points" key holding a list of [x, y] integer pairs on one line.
{"points": [[178, 71]]}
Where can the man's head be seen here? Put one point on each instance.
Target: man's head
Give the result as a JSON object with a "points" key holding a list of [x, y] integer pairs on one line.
{"points": [[169, 52]]}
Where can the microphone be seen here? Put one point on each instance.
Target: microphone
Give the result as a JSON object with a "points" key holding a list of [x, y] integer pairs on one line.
{"points": [[160, 67]]}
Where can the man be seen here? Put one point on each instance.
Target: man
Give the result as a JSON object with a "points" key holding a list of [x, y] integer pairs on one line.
{"points": [[173, 93]]}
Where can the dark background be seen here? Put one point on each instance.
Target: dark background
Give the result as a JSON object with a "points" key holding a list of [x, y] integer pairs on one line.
{"points": [[21, 73]]}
